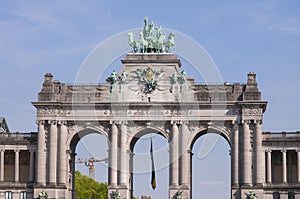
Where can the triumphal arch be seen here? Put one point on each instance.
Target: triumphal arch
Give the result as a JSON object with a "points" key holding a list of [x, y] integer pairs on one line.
{"points": [[153, 93]]}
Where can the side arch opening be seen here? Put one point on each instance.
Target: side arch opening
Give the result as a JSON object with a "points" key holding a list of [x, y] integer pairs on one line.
{"points": [[89, 156], [210, 167]]}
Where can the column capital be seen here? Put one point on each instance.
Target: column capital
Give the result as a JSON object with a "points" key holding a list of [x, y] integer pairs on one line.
{"points": [[52, 122], [268, 150], [258, 122], [16, 150], [244, 122], [42, 122], [62, 122], [283, 150], [176, 122], [32, 150], [113, 122], [235, 122]]}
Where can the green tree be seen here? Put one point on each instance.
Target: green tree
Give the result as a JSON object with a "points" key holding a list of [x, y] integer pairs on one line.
{"points": [[87, 188]]}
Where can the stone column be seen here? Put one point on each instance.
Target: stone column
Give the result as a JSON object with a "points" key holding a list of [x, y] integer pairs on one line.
{"points": [[174, 155], [184, 155], [53, 153], [17, 165], [31, 165], [41, 155], [247, 157], [113, 156], [235, 155], [284, 166], [257, 145], [123, 155], [62, 153], [2, 166], [269, 166], [298, 165]]}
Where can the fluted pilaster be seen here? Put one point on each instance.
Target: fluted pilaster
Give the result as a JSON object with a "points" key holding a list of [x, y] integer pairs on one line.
{"points": [[41, 160], [247, 157], [184, 155], [113, 155], [62, 153], [235, 155], [17, 165], [258, 163], [31, 165], [174, 155], [123, 155], [284, 176], [53, 153]]}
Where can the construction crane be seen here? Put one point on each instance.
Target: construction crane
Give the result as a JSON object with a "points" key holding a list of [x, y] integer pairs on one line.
{"points": [[90, 163]]}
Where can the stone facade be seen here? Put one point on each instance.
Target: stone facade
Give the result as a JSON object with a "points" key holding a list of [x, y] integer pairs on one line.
{"points": [[151, 94]]}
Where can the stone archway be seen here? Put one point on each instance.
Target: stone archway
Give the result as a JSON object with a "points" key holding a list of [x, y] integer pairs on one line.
{"points": [[149, 91], [138, 160], [203, 147], [76, 134]]}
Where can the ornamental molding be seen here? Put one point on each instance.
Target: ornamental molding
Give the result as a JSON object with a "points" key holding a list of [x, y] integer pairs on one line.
{"points": [[252, 111], [150, 112], [50, 111]]}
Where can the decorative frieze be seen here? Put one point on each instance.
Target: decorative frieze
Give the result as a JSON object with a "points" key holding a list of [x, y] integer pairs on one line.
{"points": [[252, 111], [145, 112], [42, 112]]}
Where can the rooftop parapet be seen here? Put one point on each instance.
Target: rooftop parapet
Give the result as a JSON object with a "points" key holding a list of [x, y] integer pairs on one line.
{"points": [[148, 77]]}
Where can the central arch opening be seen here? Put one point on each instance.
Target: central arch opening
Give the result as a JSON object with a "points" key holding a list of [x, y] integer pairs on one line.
{"points": [[141, 162], [211, 167]]}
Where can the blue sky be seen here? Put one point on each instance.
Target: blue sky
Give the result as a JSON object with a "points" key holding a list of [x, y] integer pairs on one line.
{"points": [[37, 37]]}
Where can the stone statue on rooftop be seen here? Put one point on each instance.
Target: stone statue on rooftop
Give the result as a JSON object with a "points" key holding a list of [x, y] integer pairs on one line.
{"points": [[123, 77], [132, 43], [183, 76], [152, 40], [174, 77], [170, 42], [113, 77]]}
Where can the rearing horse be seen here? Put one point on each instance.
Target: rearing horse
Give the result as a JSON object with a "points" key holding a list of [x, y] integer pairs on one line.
{"points": [[170, 42], [131, 42], [143, 43]]}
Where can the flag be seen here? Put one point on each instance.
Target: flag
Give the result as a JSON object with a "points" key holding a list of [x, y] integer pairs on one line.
{"points": [[153, 180]]}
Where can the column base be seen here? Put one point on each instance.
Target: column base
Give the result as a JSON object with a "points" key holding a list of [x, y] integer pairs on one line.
{"points": [[246, 185], [235, 186], [51, 184], [184, 186], [113, 186], [40, 184], [122, 186], [174, 186], [258, 185]]}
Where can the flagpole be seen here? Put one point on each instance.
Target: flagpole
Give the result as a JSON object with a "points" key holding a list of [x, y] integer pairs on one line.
{"points": [[153, 179]]}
